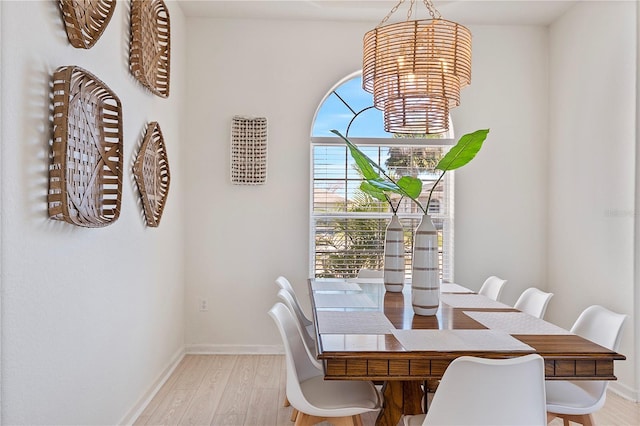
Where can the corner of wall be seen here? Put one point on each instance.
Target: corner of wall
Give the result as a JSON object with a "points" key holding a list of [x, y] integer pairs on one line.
{"points": [[636, 216], [142, 403], [1, 180]]}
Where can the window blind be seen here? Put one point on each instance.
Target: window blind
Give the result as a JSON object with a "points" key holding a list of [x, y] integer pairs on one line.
{"points": [[348, 226]]}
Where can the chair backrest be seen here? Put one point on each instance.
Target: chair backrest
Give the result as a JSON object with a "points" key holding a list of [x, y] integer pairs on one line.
{"points": [[496, 392], [492, 287], [370, 273], [604, 327], [284, 284], [601, 326], [309, 342], [299, 365], [533, 301]]}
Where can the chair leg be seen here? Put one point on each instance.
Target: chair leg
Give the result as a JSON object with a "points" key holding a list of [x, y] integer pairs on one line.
{"points": [[304, 419], [286, 402], [346, 421], [294, 414], [583, 419]]}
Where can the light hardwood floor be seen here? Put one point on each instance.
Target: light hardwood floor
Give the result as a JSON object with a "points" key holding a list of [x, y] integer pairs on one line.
{"points": [[239, 390]]}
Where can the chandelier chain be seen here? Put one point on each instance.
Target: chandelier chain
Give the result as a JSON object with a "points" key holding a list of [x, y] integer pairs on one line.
{"points": [[410, 11], [393, 10], [435, 14]]}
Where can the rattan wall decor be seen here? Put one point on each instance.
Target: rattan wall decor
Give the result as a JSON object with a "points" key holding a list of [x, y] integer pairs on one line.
{"points": [[85, 21], [248, 150], [85, 174], [151, 171], [150, 49]]}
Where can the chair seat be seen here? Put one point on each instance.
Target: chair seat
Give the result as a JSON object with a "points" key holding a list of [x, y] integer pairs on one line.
{"points": [[574, 397], [415, 420], [338, 397]]}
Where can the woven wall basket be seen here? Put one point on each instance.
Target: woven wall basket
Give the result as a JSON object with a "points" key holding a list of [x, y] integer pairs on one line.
{"points": [[151, 171], [248, 150], [85, 21], [85, 175], [149, 54]]}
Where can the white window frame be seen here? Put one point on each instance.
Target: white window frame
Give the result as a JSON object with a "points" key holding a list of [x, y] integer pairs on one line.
{"points": [[448, 234], [448, 259]]}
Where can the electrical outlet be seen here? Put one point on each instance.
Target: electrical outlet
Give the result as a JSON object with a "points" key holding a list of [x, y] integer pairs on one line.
{"points": [[204, 306]]}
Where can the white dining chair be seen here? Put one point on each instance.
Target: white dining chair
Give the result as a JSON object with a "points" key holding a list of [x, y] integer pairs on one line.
{"points": [[284, 284], [315, 399], [492, 287], [306, 323], [480, 391], [577, 400], [533, 301], [307, 338], [370, 273]]}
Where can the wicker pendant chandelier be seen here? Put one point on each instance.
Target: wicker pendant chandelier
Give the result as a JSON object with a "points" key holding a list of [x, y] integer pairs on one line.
{"points": [[415, 70]]}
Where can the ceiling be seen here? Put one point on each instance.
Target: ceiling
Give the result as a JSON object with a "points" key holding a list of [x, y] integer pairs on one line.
{"points": [[467, 12]]}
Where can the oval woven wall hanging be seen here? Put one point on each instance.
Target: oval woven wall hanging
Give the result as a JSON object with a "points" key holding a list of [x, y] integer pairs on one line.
{"points": [[151, 171], [150, 50], [85, 21], [85, 174]]}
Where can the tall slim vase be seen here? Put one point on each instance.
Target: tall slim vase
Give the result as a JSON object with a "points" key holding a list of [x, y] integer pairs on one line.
{"points": [[425, 276], [394, 256]]}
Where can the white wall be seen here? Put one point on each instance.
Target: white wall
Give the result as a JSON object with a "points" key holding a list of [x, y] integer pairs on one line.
{"points": [[91, 317], [500, 209], [240, 238], [592, 167]]}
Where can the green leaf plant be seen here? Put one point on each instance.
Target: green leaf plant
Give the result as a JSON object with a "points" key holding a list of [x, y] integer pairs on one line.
{"points": [[379, 184]]}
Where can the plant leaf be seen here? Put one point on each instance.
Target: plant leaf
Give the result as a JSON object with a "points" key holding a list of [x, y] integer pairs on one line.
{"points": [[376, 193], [385, 185], [464, 151], [411, 186], [366, 166]]}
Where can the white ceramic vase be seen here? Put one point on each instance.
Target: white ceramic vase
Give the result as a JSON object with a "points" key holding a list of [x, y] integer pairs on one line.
{"points": [[394, 256], [425, 276]]}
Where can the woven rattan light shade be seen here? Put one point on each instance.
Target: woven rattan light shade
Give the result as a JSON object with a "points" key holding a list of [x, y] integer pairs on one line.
{"points": [[150, 49], [151, 171], [415, 70], [85, 175], [85, 21]]}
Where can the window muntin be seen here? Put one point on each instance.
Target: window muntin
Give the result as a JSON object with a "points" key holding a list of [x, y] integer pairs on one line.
{"points": [[347, 225]]}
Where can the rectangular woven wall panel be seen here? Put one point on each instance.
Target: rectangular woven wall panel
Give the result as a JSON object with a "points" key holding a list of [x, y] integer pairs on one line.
{"points": [[249, 150]]}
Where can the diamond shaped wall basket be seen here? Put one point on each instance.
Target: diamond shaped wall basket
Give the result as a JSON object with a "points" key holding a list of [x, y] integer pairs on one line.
{"points": [[85, 174], [85, 21], [150, 49], [151, 171]]}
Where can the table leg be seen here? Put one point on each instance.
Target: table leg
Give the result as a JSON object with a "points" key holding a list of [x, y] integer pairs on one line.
{"points": [[400, 397]]}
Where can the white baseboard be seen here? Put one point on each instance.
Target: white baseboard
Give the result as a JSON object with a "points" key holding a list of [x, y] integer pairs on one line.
{"points": [[234, 349], [142, 403], [624, 391]]}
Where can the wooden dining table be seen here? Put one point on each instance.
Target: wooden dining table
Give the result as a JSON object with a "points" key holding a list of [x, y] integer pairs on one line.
{"points": [[366, 333]]}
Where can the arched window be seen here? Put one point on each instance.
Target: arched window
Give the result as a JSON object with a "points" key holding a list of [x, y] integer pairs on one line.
{"points": [[347, 225]]}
